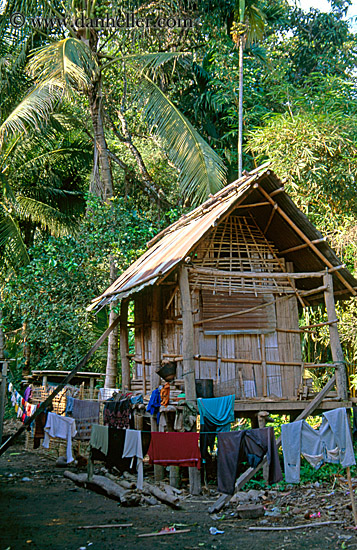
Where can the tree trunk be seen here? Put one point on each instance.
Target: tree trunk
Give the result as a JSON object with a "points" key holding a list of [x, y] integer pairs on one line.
{"points": [[111, 371], [102, 183], [2, 337], [26, 367], [240, 108]]}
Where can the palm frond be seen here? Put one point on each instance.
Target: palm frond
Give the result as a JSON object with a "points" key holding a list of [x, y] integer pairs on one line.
{"points": [[202, 171], [49, 218], [68, 61], [32, 111], [153, 61], [11, 241]]}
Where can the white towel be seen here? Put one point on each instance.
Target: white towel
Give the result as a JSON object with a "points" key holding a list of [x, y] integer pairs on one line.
{"points": [[62, 427], [133, 447]]}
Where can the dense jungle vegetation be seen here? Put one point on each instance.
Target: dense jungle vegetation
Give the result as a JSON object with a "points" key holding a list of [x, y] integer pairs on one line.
{"points": [[108, 135]]}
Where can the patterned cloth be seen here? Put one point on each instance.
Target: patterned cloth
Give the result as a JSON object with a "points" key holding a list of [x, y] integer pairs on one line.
{"points": [[117, 413]]}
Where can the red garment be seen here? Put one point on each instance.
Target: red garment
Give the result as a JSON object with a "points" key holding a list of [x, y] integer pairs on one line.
{"points": [[175, 449]]}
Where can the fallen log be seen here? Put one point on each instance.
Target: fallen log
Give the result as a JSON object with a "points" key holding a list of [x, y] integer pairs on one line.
{"points": [[162, 496], [129, 485], [103, 485]]}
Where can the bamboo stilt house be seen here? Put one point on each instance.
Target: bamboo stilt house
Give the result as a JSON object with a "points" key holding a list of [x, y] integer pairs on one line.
{"points": [[219, 291]]}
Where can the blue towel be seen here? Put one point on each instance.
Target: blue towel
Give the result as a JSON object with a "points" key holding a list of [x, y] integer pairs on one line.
{"points": [[154, 404], [69, 405], [218, 410]]}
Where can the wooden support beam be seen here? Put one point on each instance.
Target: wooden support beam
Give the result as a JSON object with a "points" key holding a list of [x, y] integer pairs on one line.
{"points": [[260, 274], [313, 291], [124, 345], [59, 388], [336, 348], [333, 322], [270, 220], [301, 246], [248, 474], [187, 337], [264, 365], [253, 205], [155, 337], [305, 238]]}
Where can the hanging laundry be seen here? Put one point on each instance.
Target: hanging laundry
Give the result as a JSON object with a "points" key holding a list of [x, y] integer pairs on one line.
{"points": [[332, 443], [61, 427], [175, 449], [216, 415], [99, 438], [136, 399], [117, 413], [27, 393], [165, 395], [114, 457], [106, 393], [85, 413], [250, 446], [154, 404], [69, 405], [40, 423], [133, 448]]}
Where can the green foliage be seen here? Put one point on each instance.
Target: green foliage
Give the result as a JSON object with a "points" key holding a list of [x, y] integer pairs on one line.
{"points": [[51, 294]]}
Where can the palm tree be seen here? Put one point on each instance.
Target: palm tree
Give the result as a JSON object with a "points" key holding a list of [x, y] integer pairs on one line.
{"points": [[77, 65], [249, 28]]}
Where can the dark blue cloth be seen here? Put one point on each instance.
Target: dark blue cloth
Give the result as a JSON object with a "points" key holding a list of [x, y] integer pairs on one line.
{"points": [[154, 404], [69, 405]]}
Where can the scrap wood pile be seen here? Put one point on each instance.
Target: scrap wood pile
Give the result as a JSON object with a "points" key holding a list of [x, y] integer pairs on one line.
{"points": [[298, 506]]}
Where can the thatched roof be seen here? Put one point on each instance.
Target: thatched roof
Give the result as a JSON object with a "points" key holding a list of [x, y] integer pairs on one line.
{"points": [[288, 228]]}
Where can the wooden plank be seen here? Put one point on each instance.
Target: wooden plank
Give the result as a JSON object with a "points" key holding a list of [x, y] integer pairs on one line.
{"points": [[248, 474]]}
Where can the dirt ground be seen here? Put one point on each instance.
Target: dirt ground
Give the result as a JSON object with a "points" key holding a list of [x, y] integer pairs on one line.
{"points": [[40, 509]]}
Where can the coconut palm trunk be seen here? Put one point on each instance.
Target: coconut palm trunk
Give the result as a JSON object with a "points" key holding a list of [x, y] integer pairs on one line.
{"points": [[111, 370], [240, 108], [102, 177]]}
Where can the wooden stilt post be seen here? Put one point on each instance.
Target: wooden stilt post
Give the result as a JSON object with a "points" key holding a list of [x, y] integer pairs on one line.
{"points": [[155, 338], [124, 345], [336, 348], [352, 495], [159, 471], [187, 337], [264, 365], [188, 361]]}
